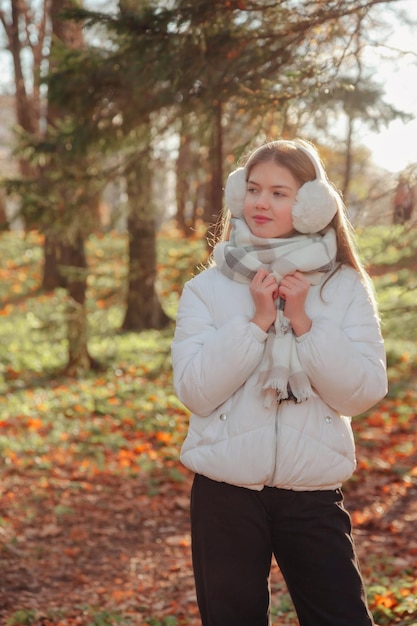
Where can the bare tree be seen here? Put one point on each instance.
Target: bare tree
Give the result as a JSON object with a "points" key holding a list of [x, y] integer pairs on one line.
{"points": [[26, 31]]}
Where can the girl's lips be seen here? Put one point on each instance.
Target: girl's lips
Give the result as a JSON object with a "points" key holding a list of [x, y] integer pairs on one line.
{"points": [[260, 219]]}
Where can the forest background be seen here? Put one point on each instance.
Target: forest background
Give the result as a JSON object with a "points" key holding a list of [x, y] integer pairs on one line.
{"points": [[129, 118]]}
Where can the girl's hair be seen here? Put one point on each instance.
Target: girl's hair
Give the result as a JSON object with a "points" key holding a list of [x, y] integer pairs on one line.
{"points": [[288, 154]]}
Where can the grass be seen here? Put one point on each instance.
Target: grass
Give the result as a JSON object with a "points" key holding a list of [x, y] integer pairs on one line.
{"points": [[44, 416]]}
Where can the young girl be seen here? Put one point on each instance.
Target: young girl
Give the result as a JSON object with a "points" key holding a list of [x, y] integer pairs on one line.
{"points": [[276, 344]]}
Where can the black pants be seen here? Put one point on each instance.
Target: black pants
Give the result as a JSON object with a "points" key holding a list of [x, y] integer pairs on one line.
{"points": [[235, 532]]}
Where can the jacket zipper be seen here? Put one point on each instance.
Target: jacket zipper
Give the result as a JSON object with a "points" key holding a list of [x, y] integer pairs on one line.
{"points": [[271, 482]]}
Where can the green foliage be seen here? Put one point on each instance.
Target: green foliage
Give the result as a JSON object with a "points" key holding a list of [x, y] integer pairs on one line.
{"points": [[390, 253], [105, 618], [99, 421], [22, 617], [59, 195], [169, 620], [387, 245], [156, 63], [394, 601], [187, 55], [96, 617]]}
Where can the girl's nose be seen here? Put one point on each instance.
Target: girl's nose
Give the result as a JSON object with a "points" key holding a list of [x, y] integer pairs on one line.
{"points": [[262, 201]]}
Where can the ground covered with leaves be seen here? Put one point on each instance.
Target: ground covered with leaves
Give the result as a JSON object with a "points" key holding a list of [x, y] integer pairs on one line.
{"points": [[94, 527]]}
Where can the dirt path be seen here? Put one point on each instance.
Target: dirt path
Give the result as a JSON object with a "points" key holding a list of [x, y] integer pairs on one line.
{"points": [[123, 544]]}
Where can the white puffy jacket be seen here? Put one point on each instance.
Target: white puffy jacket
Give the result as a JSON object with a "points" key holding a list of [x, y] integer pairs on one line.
{"points": [[216, 354]]}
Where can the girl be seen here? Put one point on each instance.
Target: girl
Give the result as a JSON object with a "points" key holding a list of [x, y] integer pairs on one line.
{"points": [[276, 344]]}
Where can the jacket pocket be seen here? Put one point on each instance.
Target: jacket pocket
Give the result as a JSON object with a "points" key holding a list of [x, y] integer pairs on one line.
{"points": [[336, 433], [205, 431], [315, 447]]}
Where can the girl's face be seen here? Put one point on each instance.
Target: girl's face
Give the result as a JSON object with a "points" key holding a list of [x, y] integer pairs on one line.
{"points": [[270, 194]]}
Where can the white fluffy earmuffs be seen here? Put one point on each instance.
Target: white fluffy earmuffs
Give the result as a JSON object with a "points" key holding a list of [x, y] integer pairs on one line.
{"points": [[316, 202]]}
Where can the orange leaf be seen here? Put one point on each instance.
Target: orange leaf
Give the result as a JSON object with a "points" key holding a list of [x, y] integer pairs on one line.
{"points": [[358, 518], [34, 423], [387, 601], [163, 436]]}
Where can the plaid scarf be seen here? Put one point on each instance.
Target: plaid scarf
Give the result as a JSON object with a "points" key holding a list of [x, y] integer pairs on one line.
{"points": [[240, 258]]}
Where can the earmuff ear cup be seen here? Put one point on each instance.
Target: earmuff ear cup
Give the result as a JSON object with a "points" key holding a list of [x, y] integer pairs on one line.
{"points": [[235, 190], [315, 206]]}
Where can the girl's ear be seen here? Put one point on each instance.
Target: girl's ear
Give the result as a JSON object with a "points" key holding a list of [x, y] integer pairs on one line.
{"points": [[315, 206], [235, 190]]}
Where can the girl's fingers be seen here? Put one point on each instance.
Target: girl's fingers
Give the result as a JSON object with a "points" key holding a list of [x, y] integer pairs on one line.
{"points": [[263, 278]]}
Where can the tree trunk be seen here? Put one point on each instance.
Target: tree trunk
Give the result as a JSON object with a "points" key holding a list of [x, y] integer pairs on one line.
{"points": [[4, 222], [24, 104], [56, 254], [217, 179], [213, 213], [348, 162], [143, 309], [189, 168], [79, 360], [65, 262], [182, 184]]}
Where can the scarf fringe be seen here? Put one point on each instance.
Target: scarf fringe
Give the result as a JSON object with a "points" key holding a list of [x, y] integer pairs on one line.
{"points": [[277, 391], [273, 397], [279, 387]]}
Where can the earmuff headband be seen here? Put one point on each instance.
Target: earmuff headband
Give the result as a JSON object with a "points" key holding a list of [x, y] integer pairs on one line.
{"points": [[316, 202]]}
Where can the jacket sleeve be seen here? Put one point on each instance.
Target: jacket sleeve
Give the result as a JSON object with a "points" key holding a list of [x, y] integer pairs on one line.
{"points": [[211, 363], [346, 363]]}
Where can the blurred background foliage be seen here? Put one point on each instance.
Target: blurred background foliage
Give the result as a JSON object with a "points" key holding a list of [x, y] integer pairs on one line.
{"points": [[130, 114]]}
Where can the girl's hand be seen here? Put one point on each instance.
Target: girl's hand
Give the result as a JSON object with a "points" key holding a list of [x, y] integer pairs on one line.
{"points": [[264, 292], [293, 288]]}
